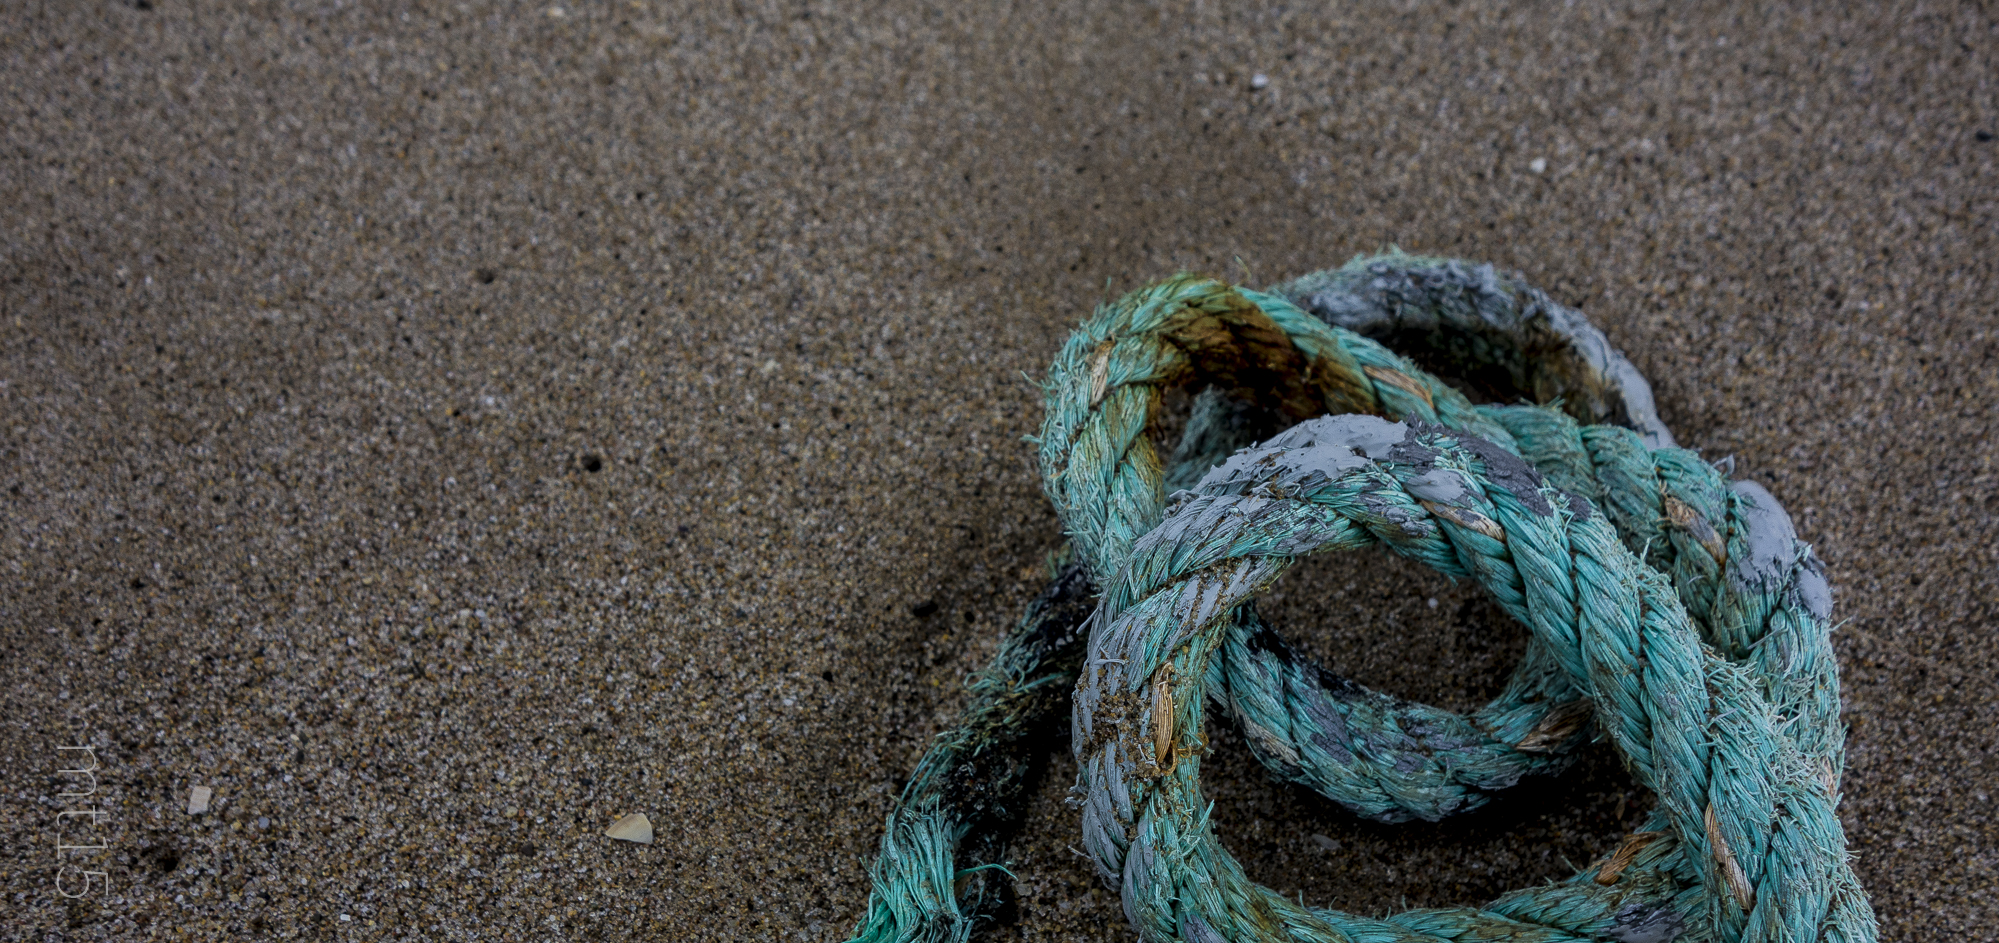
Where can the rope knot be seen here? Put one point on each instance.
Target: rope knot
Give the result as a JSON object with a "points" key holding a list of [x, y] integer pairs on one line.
{"points": [[1673, 611]]}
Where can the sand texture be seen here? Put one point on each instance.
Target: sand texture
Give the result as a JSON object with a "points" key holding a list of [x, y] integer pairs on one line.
{"points": [[444, 429]]}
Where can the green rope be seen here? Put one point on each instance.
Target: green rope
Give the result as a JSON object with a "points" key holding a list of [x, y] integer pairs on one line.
{"points": [[1752, 821], [936, 872], [1353, 745], [1487, 328], [1393, 760]]}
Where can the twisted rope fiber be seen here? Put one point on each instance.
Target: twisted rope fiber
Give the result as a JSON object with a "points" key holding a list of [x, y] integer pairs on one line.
{"points": [[1414, 761], [1090, 419], [1486, 328], [1107, 380], [938, 822], [914, 896], [1394, 760], [1736, 793]]}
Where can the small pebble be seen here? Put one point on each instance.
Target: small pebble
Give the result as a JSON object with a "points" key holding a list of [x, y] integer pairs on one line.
{"points": [[1538, 164], [633, 828], [1259, 81], [197, 799]]}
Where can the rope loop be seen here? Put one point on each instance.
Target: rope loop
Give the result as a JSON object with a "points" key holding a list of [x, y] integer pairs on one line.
{"points": [[1739, 801], [1673, 611]]}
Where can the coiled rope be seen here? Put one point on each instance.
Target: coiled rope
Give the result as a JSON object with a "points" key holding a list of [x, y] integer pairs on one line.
{"points": [[1740, 738]]}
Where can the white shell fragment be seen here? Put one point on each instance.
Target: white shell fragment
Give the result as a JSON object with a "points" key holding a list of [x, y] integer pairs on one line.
{"points": [[634, 827], [197, 799]]}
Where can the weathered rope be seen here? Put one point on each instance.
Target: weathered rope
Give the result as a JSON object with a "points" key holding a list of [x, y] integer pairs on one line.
{"points": [[1103, 479], [1456, 762], [1394, 760], [928, 886], [1487, 328], [1754, 823], [935, 875]]}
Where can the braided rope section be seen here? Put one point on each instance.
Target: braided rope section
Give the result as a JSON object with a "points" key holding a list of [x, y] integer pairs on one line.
{"points": [[1755, 591], [1487, 328], [1753, 820], [1382, 757], [1394, 760], [947, 836]]}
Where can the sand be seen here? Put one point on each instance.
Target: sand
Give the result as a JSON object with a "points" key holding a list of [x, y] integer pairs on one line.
{"points": [[442, 430]]}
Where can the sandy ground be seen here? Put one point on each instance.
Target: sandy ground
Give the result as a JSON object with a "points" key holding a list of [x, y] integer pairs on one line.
{"points": [[444, 428]]}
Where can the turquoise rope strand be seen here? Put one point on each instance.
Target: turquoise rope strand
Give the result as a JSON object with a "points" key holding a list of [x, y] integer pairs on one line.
{"points": [[1755, 824], [1771, 601]]}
